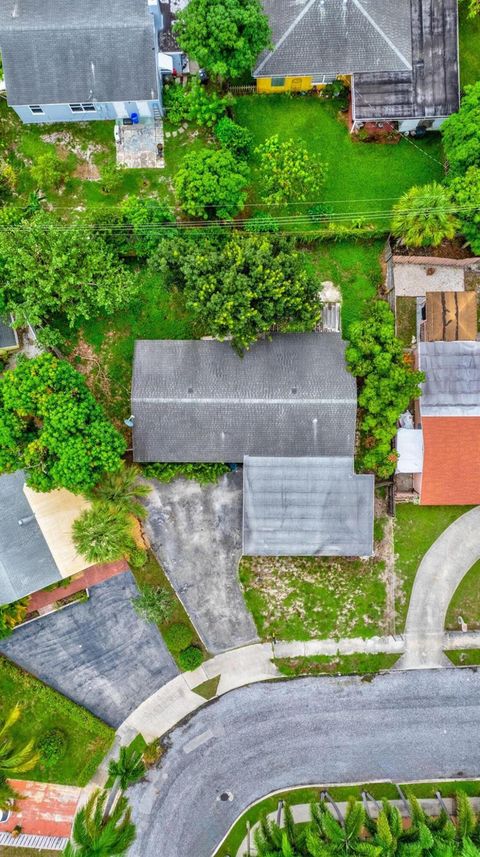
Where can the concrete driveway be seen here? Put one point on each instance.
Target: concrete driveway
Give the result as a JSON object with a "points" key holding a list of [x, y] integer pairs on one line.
{"points": [[196, 534], [99, 653], [401, 726]]}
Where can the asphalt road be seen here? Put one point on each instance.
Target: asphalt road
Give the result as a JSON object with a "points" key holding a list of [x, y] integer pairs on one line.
{"points": [[401, 726]]}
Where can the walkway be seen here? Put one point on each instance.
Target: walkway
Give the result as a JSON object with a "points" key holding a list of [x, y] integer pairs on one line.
{"points": [[91, 576], [47, 810], [439, 573], [403, 726]]}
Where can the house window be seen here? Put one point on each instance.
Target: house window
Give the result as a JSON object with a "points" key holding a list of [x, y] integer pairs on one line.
{"points": [[86, 107], [35, 108], [278, 81]]}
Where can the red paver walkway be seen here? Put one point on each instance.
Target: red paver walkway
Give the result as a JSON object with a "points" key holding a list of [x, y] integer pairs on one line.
{"points": [[91, 576], [47, 809]]}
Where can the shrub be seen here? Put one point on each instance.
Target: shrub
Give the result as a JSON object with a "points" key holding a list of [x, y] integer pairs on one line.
{"points": [[234, 137], [103, 534], [461, 133], [178, 637], [205, 107], [211, 183], [466, 192], [137, 557], [143, 214], [47, 171], [175, 103], [319, 212], [190, 658], [11, 615], [423, 216], [8, 179], [288, 172], [262, 223], [153, 752], [52, 747], [203, 473], [155, 604]]}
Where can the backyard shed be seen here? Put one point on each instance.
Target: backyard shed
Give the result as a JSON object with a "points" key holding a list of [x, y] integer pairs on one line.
{"points": [[199, 401], [306, 507], [451, 316]]}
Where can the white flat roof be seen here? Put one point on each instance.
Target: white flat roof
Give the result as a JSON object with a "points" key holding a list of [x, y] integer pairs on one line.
{"points": [[410, 450]]}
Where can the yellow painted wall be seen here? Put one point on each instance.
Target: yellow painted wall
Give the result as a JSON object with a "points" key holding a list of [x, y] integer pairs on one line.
{"points": [[292, 84]]}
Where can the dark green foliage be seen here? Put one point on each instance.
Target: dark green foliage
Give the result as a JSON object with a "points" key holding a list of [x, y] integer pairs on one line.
{"points": [[8, 795], [190, 658], [178, 637], [123, 490], [223, 36], [387, 385], [461, 133], [424, 216], [195, 103], [242, 285], [51, 425], [11, 615], [52, 746], [154, 604], [128, 768], [466, 193], [103, 534], [98, 834], [48, 268], [203, 473], [234, 137], [211, 183], [262, 223]]}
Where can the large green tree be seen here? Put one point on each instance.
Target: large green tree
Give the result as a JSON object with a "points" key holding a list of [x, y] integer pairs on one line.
{"points": [[51, 425], [424, 216], [387, 385], [466, 193], [212, 183], [47, 267], [288, 172], [242, 286], [223, 36], [461, 132]]}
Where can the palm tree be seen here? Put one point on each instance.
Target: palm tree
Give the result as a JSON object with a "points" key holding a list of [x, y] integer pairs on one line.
{"points": [[13, 758], [327, 834], [128, 768], [101, 534], [97, 834], [274, 841], [424, 216], [8, 795], [123, 490]]}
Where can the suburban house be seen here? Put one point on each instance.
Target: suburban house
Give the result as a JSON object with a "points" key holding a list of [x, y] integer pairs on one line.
{"points": [[286, 410], [67, 61], [36, 547], [400, 57]]}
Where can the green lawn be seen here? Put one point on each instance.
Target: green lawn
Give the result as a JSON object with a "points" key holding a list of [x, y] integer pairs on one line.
{"points": [[354, 266], [464, 657], [466, 601], [88, 738], [358, 664], [299, 598], [361, 177], [416, 528], [469, 38]]}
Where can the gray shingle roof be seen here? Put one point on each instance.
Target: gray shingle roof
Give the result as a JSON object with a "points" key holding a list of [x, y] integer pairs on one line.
{"points": [[316, 37], [8, 337], [431, 88], [199, 401], [452, 385], [65, 51], [306, 507], [26, 563]]}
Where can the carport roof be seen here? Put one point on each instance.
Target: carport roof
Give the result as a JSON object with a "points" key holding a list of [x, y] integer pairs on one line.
{"points": [[26, 563], [306, 507], [199, 401]]}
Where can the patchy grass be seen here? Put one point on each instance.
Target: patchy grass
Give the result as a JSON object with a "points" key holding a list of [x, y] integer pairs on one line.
{"points": [[406, 319], [299, 598], [469, 38], [88, 738], [208, 689], [152, 574], [464, 657], [338, 793], [361, 177], [358, 664], [8, 851], [466, 601], [354, 266], [416, 529]]}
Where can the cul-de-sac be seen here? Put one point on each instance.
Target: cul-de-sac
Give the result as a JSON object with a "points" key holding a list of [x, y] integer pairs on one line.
{"points": [[240, 428]]}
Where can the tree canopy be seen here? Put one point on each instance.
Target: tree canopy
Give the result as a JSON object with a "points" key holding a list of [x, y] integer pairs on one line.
{"points": [[211, 183], [424, 216], [288, 172], [47, 268], [461, 132], [242, 286], [224, 36], [51, 425], [466, 192]]}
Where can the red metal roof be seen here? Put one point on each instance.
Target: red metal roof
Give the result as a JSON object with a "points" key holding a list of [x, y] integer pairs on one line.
{"points": [[451, 461]]}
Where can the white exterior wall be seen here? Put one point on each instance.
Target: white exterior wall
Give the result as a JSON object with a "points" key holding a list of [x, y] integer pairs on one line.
{"points": [[104, 110]]}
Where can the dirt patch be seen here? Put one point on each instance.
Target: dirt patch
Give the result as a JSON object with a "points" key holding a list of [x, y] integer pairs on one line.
{"points": [[454, 249], [66, 145], [87, 172]]}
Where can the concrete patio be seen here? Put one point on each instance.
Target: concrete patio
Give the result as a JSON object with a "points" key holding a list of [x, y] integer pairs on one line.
{"points": [[140, 146]]}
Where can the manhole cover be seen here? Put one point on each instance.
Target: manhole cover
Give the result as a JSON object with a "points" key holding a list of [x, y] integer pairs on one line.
{"points": [[225, 796]]}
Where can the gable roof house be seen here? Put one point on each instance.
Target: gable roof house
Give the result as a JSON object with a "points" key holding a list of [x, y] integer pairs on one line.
{"points": [[401, 56], [287, 410], [66, 60]]}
